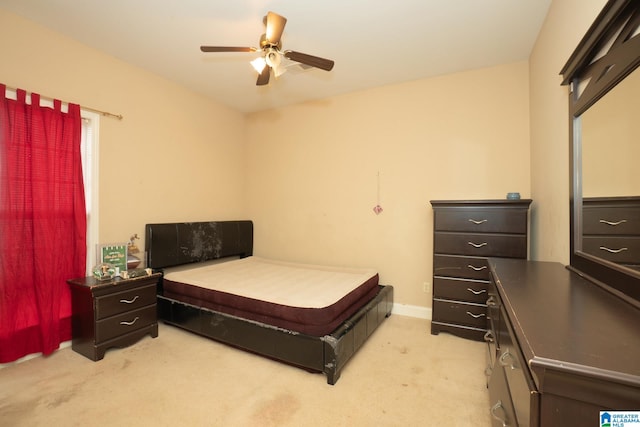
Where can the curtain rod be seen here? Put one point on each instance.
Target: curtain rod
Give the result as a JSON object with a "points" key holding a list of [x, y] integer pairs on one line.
{"points": [[93, 110]]}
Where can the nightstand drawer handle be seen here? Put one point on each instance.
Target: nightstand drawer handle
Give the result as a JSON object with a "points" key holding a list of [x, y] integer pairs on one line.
{"points": [[613, 223], [478, 222], [129, 301], [613, 251], [477, 268], [475, 316], [478, 245], [130, 323], [481, 291]]}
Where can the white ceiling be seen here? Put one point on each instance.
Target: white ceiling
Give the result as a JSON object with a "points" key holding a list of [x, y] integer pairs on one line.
{"points": [[373, 43]]}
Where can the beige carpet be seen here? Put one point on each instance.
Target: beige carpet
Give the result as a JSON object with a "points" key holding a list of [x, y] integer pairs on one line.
{"points": [[403, 376]]}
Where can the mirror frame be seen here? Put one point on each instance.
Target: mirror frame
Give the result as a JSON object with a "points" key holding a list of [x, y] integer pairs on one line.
{"points": [[591, 73]]}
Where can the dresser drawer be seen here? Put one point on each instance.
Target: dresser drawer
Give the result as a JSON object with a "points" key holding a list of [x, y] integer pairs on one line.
{"points": [[124, 323], [611, 219], [521, 386], [481, 220], [622, 249], [485, 245], [493, 318], [119, 302], [460, 266], [501, 408], [460, 289], [460, 313]]}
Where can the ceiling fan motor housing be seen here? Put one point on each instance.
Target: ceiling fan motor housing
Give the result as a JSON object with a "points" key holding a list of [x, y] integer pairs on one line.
{"points": [[266, 44]]}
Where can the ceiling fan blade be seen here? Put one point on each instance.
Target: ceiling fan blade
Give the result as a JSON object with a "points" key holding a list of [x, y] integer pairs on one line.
{"points": [[263, 77], [275, 27], [226, 49], [314, 61]]}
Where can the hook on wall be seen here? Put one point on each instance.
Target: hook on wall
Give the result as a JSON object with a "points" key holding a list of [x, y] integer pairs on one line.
{"points": [[378, 208]]}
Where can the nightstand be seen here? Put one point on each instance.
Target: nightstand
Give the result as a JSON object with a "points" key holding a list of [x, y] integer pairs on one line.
{"points": [[112, 313]]}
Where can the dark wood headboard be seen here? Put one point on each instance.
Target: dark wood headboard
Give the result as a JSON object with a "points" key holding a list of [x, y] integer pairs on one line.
{"points": [[178, 243]]}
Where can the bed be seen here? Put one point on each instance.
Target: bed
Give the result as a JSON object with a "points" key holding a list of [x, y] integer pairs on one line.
{"points": [[312, 317]]}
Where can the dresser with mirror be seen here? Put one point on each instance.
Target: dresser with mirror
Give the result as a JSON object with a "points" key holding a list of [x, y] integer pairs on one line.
{"points": [[564, 341]]}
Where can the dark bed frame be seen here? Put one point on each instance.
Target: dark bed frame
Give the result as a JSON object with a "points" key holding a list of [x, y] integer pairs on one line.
{"points": [[174, 244]]}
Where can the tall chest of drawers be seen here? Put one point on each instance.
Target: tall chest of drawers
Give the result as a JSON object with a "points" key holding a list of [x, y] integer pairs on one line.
{"points": [[465, 234]]}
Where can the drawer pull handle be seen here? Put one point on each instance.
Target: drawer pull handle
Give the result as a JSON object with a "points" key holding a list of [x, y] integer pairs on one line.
{"points": [[476, 268], [613, 251], [491, 301], [494, 408], [613, 223], [478, 245], [488, 336], [129, 323], [503, 360], [478, 221], [481, 291], [129, 301], [475, 316]]}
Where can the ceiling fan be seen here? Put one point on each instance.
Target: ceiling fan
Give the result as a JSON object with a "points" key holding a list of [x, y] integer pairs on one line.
{"points": [[271, 45]]}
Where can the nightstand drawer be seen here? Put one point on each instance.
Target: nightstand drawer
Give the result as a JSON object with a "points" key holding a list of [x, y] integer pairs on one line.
{"points": [[460, 289], [125, 323], [460, 313], [484, 245], [120, 302], [488, 220], [460, 266]]}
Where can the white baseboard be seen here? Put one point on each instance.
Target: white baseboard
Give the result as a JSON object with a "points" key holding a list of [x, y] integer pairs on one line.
{"points": [[411, 311]]}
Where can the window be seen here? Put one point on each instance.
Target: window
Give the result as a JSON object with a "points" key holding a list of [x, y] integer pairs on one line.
{"points": [[90, 132]]}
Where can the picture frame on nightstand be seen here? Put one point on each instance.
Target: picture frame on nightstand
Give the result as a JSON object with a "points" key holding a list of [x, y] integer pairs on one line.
{"points": [[114, 254]]}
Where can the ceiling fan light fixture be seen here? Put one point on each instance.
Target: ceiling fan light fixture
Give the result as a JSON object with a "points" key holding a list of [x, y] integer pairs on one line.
{"points": [[272, 57], [278, 71], [258, 64]]}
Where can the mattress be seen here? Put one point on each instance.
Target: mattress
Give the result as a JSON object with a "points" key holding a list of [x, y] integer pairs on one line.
{"points": [[303, 298]]}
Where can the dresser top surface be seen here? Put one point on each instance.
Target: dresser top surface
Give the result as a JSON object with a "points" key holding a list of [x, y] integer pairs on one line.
{"points": [[565, 322], [481, 203]]}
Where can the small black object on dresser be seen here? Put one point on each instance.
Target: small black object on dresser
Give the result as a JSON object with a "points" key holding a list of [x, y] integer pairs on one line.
{"points": [[112, 313], [465, 233]]}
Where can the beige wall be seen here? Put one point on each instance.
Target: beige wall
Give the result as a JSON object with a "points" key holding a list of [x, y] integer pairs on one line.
{"points": [[176, 156], [566, 23], [313, 168], [307, 175]]}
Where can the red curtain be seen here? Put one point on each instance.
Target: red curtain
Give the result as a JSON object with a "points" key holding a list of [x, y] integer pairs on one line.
{"points": [[42, 223]]}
